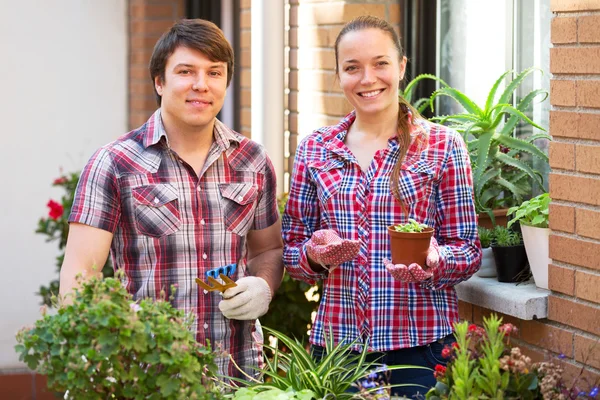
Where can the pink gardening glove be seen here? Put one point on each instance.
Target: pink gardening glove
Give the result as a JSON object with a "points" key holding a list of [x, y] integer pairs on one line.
{"points": [[325, 247], [414, 273]]}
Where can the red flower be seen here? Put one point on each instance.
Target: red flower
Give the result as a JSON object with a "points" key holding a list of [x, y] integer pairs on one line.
{"points": [[508, 329], [56, 209], [472, 328], [446, 352], [455, 345], [439, 371], [60, 180]]}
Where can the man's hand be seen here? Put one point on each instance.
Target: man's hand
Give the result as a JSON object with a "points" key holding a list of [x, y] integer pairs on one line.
{"points": [[327, 248], [414, 273], [248, 300]]}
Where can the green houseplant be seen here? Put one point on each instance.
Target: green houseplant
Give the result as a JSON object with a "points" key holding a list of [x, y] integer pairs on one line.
{"points": [[509, 254], [419, 104], [532, 215], [488, 264], [104, 345], [409, 242], [502, 176]]}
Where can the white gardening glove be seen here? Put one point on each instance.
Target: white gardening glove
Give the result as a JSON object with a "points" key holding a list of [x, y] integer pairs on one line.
{"points": [[248, 300]]}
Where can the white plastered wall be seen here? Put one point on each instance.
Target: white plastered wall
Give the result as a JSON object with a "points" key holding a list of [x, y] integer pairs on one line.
{"points": [[63, 93]]}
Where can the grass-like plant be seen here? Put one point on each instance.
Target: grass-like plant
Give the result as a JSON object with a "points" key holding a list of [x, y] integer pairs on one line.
{"points": [[297, 372], [501, 176], [504, 237], [486, 236], [410, 226], [532, 212]]}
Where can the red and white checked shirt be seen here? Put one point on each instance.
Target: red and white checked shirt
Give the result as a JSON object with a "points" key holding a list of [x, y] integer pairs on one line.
{"points": [[171, 226], [329, 190]]}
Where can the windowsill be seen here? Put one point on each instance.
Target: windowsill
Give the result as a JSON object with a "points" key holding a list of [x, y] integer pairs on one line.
{"points": [[523, 301]]}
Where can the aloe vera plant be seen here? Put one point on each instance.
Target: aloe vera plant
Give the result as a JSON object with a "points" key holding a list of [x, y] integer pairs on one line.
{"points": [[422, 103], [501, 176]]}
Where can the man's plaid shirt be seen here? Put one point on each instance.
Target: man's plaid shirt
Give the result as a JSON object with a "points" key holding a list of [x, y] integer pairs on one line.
{"points": [[171, 226], [329, 190]]}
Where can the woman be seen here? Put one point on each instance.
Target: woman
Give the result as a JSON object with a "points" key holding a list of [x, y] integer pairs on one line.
{"points": [[382, 164]]}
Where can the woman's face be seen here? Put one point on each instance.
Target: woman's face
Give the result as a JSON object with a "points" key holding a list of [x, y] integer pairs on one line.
{"points": [[370, 71]]}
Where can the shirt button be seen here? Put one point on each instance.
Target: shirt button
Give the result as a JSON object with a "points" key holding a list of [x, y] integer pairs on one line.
{"points": [[205, 325], [204, 256], [198, 188], [205, 291], [240, 198], [202, 222], [156, 200]]}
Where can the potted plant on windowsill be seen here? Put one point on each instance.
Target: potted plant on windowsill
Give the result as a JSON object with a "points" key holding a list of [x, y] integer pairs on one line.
{"points": [[501, 176], [509, 254], [409, 242], [488, 264], [532, 215]]}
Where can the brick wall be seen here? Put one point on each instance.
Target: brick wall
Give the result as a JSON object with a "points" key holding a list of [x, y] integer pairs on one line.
{"points": [[573, 324], [315, 98], [148, 19]]}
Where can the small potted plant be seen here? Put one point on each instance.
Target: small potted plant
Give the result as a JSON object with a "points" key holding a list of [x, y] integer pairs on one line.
{"points": [[488, 264], [105, 346], [409, 242], [532, 216], [509, 254]]}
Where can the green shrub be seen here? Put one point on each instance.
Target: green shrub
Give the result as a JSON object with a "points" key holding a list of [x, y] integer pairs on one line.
{"points": [[504, 237], [486, 236], [106, 346]]}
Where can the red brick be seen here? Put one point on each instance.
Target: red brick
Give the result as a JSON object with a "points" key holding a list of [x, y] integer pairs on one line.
{"points": [[246, 117], [156, 26], [465, 311], [336, 12], [586, 287], [479, 313], [575, 60], [563, 93], [587, 126], [562, 155], [152, 11], [548, 337], [143, 42], [394, 14], [574, 5], [588, 158], [575, 188], [577, 315], [579, 375], [561, 279], [587, 351], [563, 30], [588, 29], [245, 19], [245, 60], [562, 218], [588, 223], [246, 98], [575, 251], [563, 124], [588, 93]]}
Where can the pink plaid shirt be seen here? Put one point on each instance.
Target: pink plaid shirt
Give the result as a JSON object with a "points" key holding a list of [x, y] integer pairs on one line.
{"points": [[171, 226], [329, 190]]}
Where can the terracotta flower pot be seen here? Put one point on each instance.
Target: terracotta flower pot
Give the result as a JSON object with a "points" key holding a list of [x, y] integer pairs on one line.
{"points": [[499, 215], [409, 247]]}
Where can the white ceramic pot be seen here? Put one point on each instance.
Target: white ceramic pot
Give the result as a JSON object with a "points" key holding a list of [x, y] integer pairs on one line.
{"points": [[488, 264], [536, 246]]}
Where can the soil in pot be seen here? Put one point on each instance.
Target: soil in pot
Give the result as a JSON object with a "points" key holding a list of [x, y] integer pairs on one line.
{"points": [[511, 262], [410, 247]]}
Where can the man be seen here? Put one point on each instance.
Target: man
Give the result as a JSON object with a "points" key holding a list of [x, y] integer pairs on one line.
{"points": [[184, 194]]}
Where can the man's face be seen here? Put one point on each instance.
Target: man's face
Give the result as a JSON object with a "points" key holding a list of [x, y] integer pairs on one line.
{"points": [[193, 90]]}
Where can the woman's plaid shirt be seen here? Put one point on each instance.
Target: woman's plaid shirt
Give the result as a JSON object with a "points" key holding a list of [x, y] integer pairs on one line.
{"points": [[329, 190], [171, 226]]}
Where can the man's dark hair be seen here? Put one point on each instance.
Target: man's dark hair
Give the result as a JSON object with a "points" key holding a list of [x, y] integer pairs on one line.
{"points": [[197, 34]]}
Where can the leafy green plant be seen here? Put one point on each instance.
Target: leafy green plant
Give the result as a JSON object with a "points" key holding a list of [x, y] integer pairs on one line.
{"points": [[410, 226], [486, 236], [56, 229], [501, 175], [331, 377], [422, 103], [104, 345], [532, 212], [273, 394], [504, 237], [482, 366]]}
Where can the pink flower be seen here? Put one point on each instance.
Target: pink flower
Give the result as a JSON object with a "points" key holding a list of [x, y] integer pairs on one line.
{"points": [[508, 329], [56, 209], [446, 352]]}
